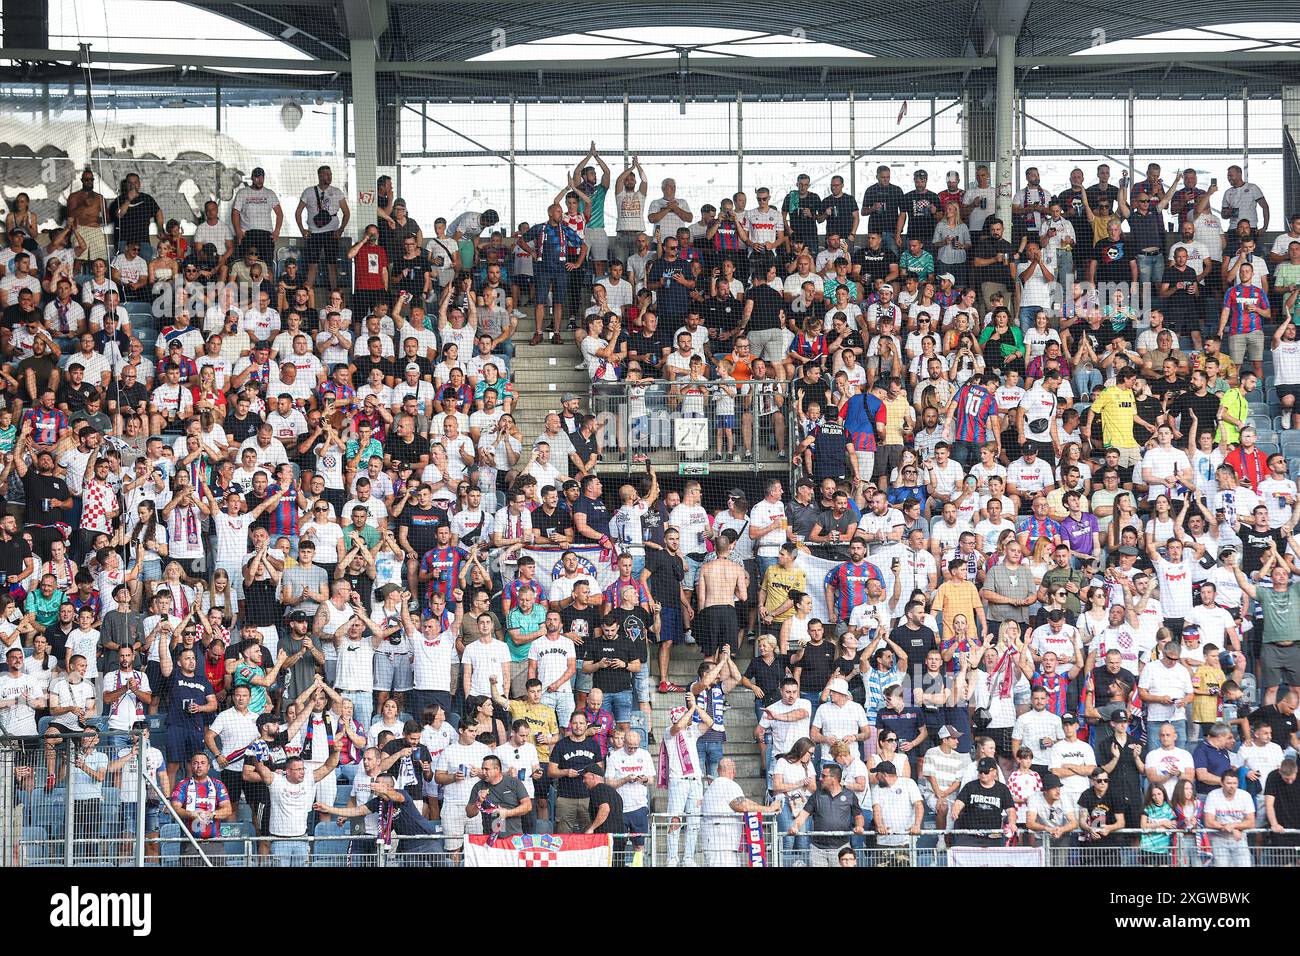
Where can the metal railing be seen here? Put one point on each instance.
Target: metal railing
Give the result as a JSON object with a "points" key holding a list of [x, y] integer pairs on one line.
{"points": [[698, 425]]}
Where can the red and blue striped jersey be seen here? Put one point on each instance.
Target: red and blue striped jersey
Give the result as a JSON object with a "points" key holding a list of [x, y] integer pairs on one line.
{"points": [[1056, 686], [91, 601], [945, 299], [553, 243], [187, 366], [343, 394], [46, 424], [202, 796], [975, 406], [1240, 321], [727, 238], [849, 582], [283, 518], [1038, 528], [613, 595], [445, 564], [511, 591], [812, 348]]}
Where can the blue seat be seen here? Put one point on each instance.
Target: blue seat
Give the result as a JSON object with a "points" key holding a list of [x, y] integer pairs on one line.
{"points": [[110, 825], [1293, 468], [244, 814], [171, 851], [1265, 434], [35, 850], [1268, 447], [1290, 442], [239, 838], [332, 842]]}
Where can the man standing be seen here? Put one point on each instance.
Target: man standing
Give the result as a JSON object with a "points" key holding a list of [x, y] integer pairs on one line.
{"points": [[1280, 602], [682, 772], [202, 803], [134, 212], [568, 759], [630, 771], [256, 216], [328, 215], [292, 798], [724, 803], [503, 801], [1245, 306], [1166, 689], [86, 213], [1229, 813], [834, 811]]}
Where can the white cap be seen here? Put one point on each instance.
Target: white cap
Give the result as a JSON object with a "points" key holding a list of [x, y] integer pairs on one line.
{"points": [[839, 686]]}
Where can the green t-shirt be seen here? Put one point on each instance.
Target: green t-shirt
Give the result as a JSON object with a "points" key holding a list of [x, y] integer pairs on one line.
{"points": [[46, 611], [596, 218], [1280, 613], [1288, 274], [526, 624]]}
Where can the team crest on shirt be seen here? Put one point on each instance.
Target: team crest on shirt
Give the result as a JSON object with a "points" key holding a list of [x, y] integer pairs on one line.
{"points": [[633, 627]]}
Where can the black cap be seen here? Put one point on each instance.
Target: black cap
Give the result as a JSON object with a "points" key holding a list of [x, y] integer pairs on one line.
{"points": [[595, 768], [986, 764], [300, 616], [1120, 716], [1050, 781], [258, 171], [1069, 719]]}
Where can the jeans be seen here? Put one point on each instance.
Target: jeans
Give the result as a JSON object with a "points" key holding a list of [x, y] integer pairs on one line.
{"points": [[710, 756], [763, 565], [1026, 316], [684, 798], [348, 771], [1151, 267], [637, 821], [966, 453], [289, 852], [1230, 852], [621, 704], [562, 702], [1084, 381], [794, 849], [363, 704]]}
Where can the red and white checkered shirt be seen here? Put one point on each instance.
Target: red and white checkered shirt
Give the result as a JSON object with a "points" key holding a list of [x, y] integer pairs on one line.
{"points": [[98, 506]]}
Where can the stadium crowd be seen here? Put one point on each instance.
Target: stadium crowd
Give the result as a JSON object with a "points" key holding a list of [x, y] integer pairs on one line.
{"points": [[274, 540]]}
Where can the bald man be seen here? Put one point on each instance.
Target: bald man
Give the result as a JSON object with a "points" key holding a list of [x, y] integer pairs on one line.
{"points": [[724, 802]]}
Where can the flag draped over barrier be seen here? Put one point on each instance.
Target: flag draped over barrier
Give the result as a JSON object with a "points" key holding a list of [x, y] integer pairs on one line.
{"points": [[540, 850]]}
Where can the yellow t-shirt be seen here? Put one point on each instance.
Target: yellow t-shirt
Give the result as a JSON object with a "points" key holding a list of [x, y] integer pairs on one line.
{"points": [[541, 720], [1117, 408], [1205, 710], [778, 582], [953, 598], [895, 415], [1238, 406]]}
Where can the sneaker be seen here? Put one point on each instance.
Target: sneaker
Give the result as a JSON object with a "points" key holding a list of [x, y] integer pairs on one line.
{"points": [[735, 458], [749, 456], [665, 687], [580, 366], [518, 314], [690, 638], [717, 456], [573, 324]]}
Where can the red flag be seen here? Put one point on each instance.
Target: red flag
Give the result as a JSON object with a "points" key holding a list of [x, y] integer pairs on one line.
{"points": [[901, 113]]}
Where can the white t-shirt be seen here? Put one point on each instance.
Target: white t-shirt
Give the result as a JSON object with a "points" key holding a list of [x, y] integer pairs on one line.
{"points": [[330, 199], [1170, 761], [721, 824], [1164, 681], [290, 805], [669, 224], [20, 719], [836, 721], [1164, 463], [1243, 202], [1176, 584], [1074, 752], [762, 515], [552, 657], [128, 708], [236, 731], [1240, 807], [786, 732], [486, 660], [256, 208], [620, 763], [431, 660]]}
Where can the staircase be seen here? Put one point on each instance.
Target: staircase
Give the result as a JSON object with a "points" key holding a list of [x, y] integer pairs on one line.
{"points": [[739, 717], [542, 374]]}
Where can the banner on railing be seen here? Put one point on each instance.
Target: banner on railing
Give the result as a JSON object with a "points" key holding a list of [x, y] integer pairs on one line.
{"points": [[995, 856], [540, 850]]}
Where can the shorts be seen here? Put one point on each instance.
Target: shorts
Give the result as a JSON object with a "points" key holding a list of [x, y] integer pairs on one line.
{"points": [[322, 249], [1285, 391], [455, 824], [670, 625], [581, 683], [1248, 345], [866, 464], [639, 430], [182, 744], [621, 704], [152, 817], [552, 284], [522, 281], [714, 626], [887, 459], [597, 244], [96, 243], [1128, 457], [725, 421], [392, 672], [1280, 665]]}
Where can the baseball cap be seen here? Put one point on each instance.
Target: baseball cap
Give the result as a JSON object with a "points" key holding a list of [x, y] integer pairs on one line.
{"points": [[258, 171], [735, 493], [386, 590], [412, 365], [949, 276], [1128, 551], [594, 768], [986, 764], [839, 686], [1227, 549], [1050, 781], [569, 397], [1069, 719], [948, 731], [1119, 717], [300, 615]]}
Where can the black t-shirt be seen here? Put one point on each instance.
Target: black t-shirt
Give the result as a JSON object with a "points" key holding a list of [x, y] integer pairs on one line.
{"points": [[666, 574], [648, 349], [38, 489], [1255, 544], [362, 583], [398, 449], [1102, 679], [816, 665], [803, 227], [14, 315], [561, 521], [1204, 407], [594, 508], [986, 247], [410, 273], [611, 680], [1113, 260], [1282, 725], [839, 211], [507, 793], [581, 621], [1072, 209], [133, 225], [983, 807], [768, 304], [768, 676], [239, 429], [874, 263], [570, 754], [917, 643], [404, 771], [1164, 389], [603, 793], [76, 396], [13, 555], [364, 363], [635, 626], [921, 219], [1099, 811], [422, 525], [722, 313], [806, 391], [890, 198], [1286, 799], [584, 447]]}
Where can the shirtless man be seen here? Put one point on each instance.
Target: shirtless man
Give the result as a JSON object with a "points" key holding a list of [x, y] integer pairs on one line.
{"points": [[720, 587], [86, 215]]}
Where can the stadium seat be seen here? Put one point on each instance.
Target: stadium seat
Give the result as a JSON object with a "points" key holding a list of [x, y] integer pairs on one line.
{"points": [[1289, 441], [1268, 447], [1265, 434], [239, 839], [331, 848], [110, 821], [35, 846], [244, 814], [1260, 422], [1293, 468], [171, 851]]}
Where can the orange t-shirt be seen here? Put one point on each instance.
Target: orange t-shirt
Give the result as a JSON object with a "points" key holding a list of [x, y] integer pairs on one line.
{"points": [[741, 372]]}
